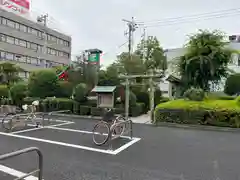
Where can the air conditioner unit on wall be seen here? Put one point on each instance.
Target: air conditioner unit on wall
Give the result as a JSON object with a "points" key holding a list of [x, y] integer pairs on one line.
{"points": [[234, 38]]}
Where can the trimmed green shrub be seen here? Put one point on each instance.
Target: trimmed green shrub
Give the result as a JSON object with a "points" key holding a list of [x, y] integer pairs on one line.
{"points": [[90, 102], [143, 97], [29, 100], [194, 94], [80, 93], [5, 101], [132, 99], [43, 83], [96, 111], [85, 110], [232, 84], [238, 101], [209, 112], [218, 95], [76, 107], [18, 92], [136, 110], [57, 104], [119, 111], [65, 89], [227, 98], [3, 91]]}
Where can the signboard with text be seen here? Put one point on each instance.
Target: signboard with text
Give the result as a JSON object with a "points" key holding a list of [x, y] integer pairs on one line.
{"points": [[94, 58], [19, 7]]}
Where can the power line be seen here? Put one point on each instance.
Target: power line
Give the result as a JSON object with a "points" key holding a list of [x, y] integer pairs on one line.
{"points": [[118, 47], [180, 20], [221, 12]]}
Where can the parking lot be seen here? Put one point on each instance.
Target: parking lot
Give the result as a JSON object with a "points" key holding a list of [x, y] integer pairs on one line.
{"points": [[154, 153]]}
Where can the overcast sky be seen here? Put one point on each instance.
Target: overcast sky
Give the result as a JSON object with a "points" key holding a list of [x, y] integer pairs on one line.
{"points": [[98, 24]]}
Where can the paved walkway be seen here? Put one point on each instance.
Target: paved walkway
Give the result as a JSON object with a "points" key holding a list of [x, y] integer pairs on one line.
{"points": [[143, 119]]}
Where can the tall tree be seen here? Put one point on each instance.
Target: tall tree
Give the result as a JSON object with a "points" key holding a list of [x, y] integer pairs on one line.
{"points": [[152, 54], [9, 73], [205, 61], [135, 65], [110, 76]]}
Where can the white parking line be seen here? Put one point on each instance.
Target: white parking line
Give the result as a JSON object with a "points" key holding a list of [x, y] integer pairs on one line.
{"points": [[62, 124], [27, 130], [79, 131], [125, 146], [59, 143], [16, 173], [115, 152], [40, 127]]}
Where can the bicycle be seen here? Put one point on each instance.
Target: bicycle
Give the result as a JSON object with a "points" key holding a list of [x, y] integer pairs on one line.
{"points": [[111, 127], [12, 120]]}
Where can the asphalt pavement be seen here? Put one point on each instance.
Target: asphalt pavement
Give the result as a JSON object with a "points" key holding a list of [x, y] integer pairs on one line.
{"points": [[161, 154]]}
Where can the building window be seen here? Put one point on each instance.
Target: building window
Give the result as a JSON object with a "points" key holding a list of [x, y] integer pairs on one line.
{"points": [[23, 28], [40, 34], [11, 23], [28, 60], [9, 56], [4, 21], [17, 26], [34, 46], [23, 43], [2, 37], [17, 42], [34, 60], [28, 45], [34, 32], [238, 60], [20, 58], [2, 55], [10, 40], [39, 48]]}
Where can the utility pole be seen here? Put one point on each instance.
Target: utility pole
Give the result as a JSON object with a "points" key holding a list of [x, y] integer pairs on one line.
{"points": [[152, 92], [131, 28], [43, 19]]}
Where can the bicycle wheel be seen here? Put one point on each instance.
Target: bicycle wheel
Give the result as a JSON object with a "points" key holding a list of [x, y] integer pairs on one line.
{"points": [[119, 128], [33, 120], [101, 132], [7, 121]]}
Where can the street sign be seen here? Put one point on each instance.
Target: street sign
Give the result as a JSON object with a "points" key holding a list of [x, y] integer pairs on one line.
{"points": [[94, 58]]}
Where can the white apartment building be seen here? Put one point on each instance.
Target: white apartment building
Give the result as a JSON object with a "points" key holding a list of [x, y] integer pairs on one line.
{"points": [[171, 54]]}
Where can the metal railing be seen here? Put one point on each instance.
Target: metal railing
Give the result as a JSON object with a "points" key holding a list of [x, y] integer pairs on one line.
{"points": [[24, 151], [127, 131]]}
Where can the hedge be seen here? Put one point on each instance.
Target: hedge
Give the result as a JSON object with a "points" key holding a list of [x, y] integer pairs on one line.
{"points": [[137, 110], [57, 104], [209, 112]]}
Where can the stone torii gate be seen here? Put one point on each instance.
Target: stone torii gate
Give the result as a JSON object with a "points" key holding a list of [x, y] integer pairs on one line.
{"points": [[151, 92]]}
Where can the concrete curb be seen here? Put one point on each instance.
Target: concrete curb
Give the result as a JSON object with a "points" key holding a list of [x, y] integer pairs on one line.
{"points": [[197, 127], [163, 124], [93, 118], [78, 116]]}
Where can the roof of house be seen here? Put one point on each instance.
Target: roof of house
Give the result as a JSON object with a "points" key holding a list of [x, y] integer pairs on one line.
{"points": [[99, 89]]}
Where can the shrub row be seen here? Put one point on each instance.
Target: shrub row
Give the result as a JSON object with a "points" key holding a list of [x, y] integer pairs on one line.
{"points": [[224, 113], [55, 104], [222, 118]]}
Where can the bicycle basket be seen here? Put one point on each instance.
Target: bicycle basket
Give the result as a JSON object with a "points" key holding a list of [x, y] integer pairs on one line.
{"points": [[108, 115]]}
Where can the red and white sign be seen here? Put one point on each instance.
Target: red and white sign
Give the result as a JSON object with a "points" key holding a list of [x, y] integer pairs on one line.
{"points": [[20, 7]]}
